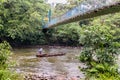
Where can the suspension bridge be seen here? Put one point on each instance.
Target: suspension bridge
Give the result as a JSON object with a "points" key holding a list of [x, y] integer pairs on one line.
{"points": [[85, 10]]}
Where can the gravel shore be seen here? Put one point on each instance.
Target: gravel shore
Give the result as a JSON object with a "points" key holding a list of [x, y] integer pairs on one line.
{"points": [[49, 77]]}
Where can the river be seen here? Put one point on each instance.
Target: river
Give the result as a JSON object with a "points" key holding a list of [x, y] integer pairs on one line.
{"points": [[27, 62]]}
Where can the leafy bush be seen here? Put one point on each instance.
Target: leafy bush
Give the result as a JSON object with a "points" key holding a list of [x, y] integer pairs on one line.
{"points": [[4, 54], [99, 52], [5, 73]]}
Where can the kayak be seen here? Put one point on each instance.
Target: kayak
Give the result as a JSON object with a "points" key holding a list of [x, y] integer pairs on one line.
{"points": [[49, 55]]}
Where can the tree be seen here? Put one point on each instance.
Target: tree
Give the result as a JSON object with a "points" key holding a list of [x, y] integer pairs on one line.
{"points": [[100, 48], [21, 20], [5, 73]]}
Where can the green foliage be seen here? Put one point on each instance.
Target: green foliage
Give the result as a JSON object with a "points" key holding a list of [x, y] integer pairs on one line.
{"points": [[2, 0], [8, 75], [5, 73], [21, 21], [99, 40], [67, 35], [100, 47], [4, 54], [60, 9]]}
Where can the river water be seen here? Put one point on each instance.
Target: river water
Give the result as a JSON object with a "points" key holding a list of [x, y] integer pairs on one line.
{"points": [[27, 62]]}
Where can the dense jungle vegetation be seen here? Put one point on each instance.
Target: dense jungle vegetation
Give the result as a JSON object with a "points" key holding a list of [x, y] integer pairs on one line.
{"points": [[21, 24]]}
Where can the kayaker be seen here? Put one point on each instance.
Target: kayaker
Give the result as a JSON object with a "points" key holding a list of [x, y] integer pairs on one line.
{"points": [[40, 51]]}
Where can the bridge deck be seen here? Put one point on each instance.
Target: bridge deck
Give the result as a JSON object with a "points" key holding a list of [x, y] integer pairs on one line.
{"points": [[76, 14]]}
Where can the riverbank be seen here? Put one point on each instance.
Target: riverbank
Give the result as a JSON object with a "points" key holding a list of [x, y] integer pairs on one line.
{"points": [[49, 46], [46, 76]]}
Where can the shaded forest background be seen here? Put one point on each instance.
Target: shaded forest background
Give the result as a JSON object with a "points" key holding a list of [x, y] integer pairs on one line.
{"points": [[21, 24]]}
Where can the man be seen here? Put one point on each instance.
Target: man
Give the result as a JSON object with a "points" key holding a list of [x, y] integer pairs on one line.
{"points": [[40, 51]]}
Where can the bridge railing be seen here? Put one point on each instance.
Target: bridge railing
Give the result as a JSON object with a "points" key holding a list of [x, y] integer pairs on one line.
{"points": [[82, 8]]}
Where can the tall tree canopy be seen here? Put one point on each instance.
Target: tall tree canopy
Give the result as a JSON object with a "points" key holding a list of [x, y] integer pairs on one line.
{"points": [[21, 19]]}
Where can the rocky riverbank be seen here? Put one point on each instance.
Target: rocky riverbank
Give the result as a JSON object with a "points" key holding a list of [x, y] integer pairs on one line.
{"points": [[49, 77]]}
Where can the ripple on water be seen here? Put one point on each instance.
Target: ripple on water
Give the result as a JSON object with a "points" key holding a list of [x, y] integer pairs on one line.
{"points": [[64, 65]]}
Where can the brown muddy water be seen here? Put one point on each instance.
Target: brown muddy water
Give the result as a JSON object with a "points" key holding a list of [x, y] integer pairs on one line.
{"points": [[27, 62]]}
